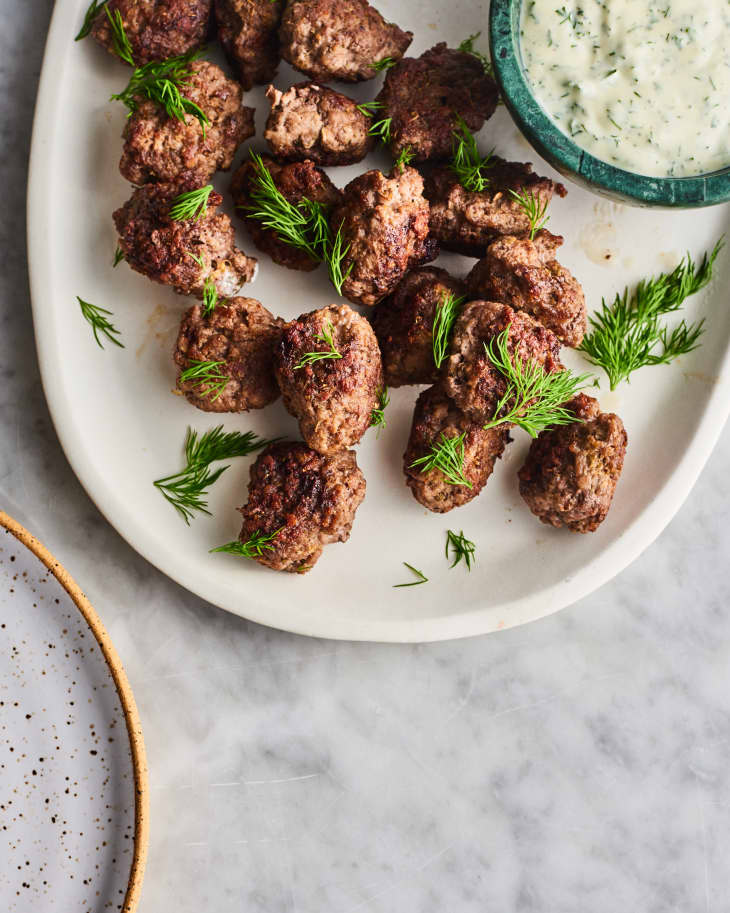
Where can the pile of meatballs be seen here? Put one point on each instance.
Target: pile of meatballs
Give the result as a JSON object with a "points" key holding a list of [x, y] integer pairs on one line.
{"points": [[304, 494]]}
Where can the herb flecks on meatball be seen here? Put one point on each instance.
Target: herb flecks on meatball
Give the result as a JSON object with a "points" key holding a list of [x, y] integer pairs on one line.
{"points": [[330, 374], [303, 501], [295, 181], [237, 341], [435, 418], [384, 227], [310, 121], [248, 31], [403, 323], [571, 472], [162, 148], [155, 29], [184, 254], [466, 221], [338, 39], [425, 97], [471, 379]]}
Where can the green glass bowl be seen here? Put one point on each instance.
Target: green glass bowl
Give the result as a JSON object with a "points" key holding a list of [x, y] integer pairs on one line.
{"points": [[563, 154]]}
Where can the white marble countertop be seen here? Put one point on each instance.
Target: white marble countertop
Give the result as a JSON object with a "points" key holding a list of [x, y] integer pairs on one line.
{"points": [[578, 763]]}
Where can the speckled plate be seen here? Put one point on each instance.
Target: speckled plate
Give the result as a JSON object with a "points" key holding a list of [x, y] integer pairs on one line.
{"points": [[121, 427], [73, 777]]}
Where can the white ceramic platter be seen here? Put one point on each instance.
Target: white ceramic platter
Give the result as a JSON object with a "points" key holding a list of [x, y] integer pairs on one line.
{"points": [[73, 795], [121, 427]]}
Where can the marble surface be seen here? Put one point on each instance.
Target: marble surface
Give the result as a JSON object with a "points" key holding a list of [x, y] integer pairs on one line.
{"points": [[579, 763]]}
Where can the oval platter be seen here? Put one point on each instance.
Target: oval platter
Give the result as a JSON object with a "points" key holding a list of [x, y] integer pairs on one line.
{"points": [[121, 427]]}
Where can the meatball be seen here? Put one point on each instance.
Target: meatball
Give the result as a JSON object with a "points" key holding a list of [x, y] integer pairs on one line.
{"points": [[426, 95], [338, 39], [302, 499], [435, 418], [332, 398], [403, 323], [162, 148], [295, 181], [248, 31], [313, 122], [184, 254], [525, 275], [384, 226], [467, 221], [155, 29], [471, 379], [240, 335], [571, 471]]}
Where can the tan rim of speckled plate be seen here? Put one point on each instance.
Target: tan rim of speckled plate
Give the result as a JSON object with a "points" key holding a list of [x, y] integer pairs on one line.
{"points": [[129, 707]]}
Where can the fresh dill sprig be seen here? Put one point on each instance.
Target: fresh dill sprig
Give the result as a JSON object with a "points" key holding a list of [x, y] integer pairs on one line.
{"points": [[326, 337], [91, 14], [196, 259], [369, 107], [207, 374], [118, 257], [446, 455], [463, 549], [534, 207], [193, 204], [381, 130], [161, 81], [385, 63], [97, 318], [253, 547], [467, 47], [466, 163], [447, 310], [210, 297], [534, 399], [405, 157], [422, 578], [334, 258], [120, 43], [377, 416], [627, 334], [187, 490]]}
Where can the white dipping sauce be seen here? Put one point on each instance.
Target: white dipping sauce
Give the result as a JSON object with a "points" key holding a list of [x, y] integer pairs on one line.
{"points": [[639, 84]]}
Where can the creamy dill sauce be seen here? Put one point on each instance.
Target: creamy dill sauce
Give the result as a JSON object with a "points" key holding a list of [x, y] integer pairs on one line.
{"points": [[639, 84]]}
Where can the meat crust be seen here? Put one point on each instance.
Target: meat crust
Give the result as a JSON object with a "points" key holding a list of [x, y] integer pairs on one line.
{"points": [[162, 148], [242, 334], [185, 254], [310, 121], [467, 221], [332, 398], [436, 415], [248, 31], [384, 220], [571, 472], [306, 499], [338, 39], [526, 276], [471, 379], [295, 181], [403, 323], [156, 29], [426, 95]]}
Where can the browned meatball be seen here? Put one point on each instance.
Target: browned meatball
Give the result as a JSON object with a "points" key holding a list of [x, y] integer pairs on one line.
{"points": [[526, 275], [467, 221], [403, 323], [295, 181], [426, 95], [313, 122], [384, 225], [435, 418], [471, 379], [338, 39], [156, 29], [303, 500], [240, 335], [571, 471], [333, 398], [248, 31], [162, 148], [184, 254]]}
